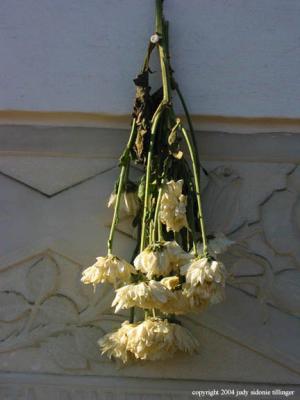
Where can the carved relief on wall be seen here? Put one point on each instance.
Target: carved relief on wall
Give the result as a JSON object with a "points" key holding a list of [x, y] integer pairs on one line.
{"points": [[45, 308], [267, 235], [44, 305]]}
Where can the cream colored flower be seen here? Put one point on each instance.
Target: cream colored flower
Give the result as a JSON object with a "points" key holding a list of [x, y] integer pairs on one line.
{"points": [[109, 269], [202, 270], [171, 282], [114, 344], [178, 306], [161, 259], [144, 295], [154, 260], [152, 339], [173, 206], [157, 339], [193, 299], [200, 296], [184, 301], [178, 257], [220, 244], [205, 282], [129, 203]]}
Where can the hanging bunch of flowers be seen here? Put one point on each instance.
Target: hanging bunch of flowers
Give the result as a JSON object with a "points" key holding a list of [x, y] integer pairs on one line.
{"points": [[174, 270]]}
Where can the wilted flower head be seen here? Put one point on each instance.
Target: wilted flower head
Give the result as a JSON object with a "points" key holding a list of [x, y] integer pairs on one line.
{"points": [[161, 259], [183, 301], [200, 296], [220, 244], [144, 295], [171, 282], [205, 282], [193, 299], [152, 339], [202, 270], [178, 306], [114, 344], [173, 206], [129, 203], [109, 269]]}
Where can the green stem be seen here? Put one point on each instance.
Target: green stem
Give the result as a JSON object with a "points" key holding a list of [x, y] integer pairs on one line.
{"points": [[160, 232], [189, 121], [148, 176], [125, 160], [160, 30], [157, 232], [162, 50], [192, 152], [131, 315]]}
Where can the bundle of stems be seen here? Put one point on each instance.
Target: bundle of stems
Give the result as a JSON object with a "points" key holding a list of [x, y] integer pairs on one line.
{"points": [[174, 270], [161, 158]]}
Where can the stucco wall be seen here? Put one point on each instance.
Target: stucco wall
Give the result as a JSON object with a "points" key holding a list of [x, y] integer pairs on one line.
{"points": [[237, 58], [55, 183], [232, 57]]}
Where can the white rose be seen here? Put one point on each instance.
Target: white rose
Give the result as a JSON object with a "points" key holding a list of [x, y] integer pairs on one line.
{"points": [[144, 295], [152, 339], [129, 203], [171, 282], [109, 269], [161, 259], [202, 270], [219, 245], [173, 206]]}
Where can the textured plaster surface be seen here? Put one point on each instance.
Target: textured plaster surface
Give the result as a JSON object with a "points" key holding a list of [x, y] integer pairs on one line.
{"points": [[231, 57]]}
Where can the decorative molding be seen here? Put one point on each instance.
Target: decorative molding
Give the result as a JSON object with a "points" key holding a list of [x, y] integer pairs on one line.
{"points": [[216, 123], [47, 316], [88, 142], [53, 311], [55, 185], [50, 387], [53, 175]]}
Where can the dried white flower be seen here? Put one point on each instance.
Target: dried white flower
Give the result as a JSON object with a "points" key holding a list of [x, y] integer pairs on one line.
{"points": [[154, 260], [179, 306], [171, 282], [109, 269], [199, 297], [202, 270], [173, 206], [114, 344], [219, 245], [161, 259], [129, 203], [152, 339], [205, 282], [144, 295], [184, 300]]}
